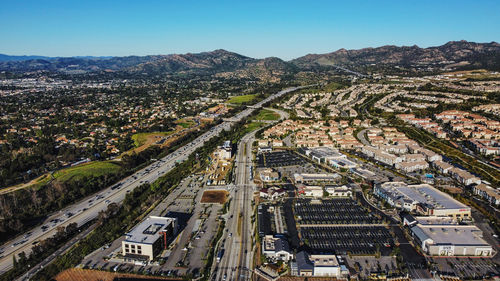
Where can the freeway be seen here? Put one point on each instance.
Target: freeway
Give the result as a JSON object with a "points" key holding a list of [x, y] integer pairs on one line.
{"points": [[88, 208]]}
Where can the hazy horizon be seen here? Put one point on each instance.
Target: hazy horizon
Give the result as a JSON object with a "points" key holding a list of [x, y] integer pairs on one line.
{"points": [[131, 55], [284, 29]]}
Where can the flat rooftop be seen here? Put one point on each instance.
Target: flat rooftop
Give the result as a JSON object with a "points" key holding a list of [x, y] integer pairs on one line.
{"points": [[322, 152], [317, 176], [436, 220], [148, 231], [450, 234], [426, 194], [324, 260]]}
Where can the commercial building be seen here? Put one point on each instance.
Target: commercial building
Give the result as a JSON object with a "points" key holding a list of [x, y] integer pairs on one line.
{"points": [[317, 265], [338, 191], [342, 163], [451, 240], [310, 178], [268, 175], [225, 151], [264, 149], [310, 190], [421, 198], [324, 154], [149, 238], [276, 248]]}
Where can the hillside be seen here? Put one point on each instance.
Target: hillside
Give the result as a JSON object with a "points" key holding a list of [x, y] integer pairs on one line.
{"points": [[454, 55], [461, 54]]}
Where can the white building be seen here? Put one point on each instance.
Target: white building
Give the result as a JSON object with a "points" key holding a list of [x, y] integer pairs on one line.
{"points": [[310, 190], [338, 191], [147, 239], [318, 265], [268, 175], [276, 248]]}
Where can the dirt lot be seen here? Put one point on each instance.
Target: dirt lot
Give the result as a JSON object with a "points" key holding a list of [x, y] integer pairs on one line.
{"points": [[76, 274], [214, 196]]}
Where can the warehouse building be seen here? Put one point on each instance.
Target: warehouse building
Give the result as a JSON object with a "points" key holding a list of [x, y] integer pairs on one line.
{"points": [[421, 198], [149, 238], [451, 240]]}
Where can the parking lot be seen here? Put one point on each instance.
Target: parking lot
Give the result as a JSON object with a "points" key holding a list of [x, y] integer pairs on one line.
{"points": [[357, 240], [279, 159], [332, 211], [465, 268], [197, 223], [365, 266]]}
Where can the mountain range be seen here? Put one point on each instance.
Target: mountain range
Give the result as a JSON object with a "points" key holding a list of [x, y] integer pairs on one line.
{"points": [[453, 55]]}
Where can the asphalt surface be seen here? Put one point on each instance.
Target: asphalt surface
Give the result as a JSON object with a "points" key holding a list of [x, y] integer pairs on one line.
{"points": [[236, 261], [89, 207], [57, 253]]}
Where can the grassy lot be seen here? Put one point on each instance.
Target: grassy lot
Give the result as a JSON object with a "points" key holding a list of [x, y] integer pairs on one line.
{"points": [[95, 169], [185, 123], [253, 126], [266, 114], [242, 99], [141, 138]]}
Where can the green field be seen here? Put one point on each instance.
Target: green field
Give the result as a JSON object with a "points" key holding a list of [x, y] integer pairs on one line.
{"points": [[266, 114], [141, 138], [253, 126], [94, 169], [186, 123], [242, 99]]}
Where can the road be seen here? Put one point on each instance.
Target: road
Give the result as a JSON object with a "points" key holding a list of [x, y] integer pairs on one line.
{"points": [[283, 114], [361, 136], [88, 208], [237, 260], [57, 253]]}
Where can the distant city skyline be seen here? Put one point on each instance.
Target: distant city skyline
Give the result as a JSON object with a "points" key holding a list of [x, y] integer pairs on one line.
{"points": [[284, 29]]}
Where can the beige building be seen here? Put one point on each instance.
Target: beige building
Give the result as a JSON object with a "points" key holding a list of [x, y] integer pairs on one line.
{"points": [[451, 240]]}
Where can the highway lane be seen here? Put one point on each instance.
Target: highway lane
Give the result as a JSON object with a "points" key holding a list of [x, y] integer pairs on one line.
{"points": [[89, 207]]}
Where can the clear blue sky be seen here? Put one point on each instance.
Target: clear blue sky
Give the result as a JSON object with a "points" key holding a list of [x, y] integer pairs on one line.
{"points": [[285, 29]]}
